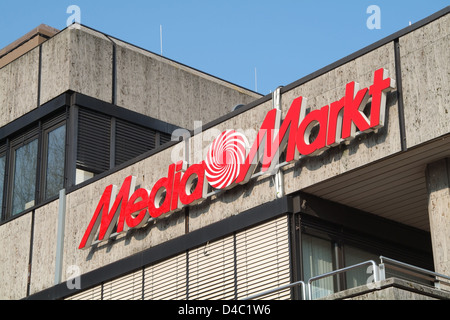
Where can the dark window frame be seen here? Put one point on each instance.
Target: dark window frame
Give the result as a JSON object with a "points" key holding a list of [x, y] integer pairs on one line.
{"points": [[38, 132], [45, 154], [16, 145]]}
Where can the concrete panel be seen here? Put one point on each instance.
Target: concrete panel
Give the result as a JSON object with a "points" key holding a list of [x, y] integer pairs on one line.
{"points": [[15, 244], [91, 63], [44, 247], [77, 59], [164, 89], [55, 66], [425, 64], [19, 87]]}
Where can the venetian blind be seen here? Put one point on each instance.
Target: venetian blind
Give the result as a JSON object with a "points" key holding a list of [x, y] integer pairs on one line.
{"points": [[90, 294], [166, 280], [132, 140], [127, 287], [263, 259], [93, 148], [211, 271]]}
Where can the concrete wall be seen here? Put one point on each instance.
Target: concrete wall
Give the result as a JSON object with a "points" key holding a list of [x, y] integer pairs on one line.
{"points": [[166, 90], [14, 258], [18, 87], [426, 76], [438, 184]]}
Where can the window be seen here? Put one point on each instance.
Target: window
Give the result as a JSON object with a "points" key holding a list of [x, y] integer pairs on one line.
{"points": [[2, 180], [32, 166], [56, 152], [325, 252], [24, 177], [317, 256]]}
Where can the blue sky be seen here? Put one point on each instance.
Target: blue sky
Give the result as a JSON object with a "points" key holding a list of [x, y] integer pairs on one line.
{"points": [[283, 40]]}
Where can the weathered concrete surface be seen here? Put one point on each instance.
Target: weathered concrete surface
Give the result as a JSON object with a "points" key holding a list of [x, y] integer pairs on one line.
{"points": [[152, 85], [81, 59], [55, 67], [44, 247], [18, 87], [15, 244], [425, 65], [77, 59]]}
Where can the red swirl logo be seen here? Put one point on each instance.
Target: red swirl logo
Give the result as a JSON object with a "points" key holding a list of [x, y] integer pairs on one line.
{"points": [[225, 158]]}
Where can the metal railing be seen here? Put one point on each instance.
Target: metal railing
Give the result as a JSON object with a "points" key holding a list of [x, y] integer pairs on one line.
{"points": [[339, 271], [290, 285], [410, 270], [379, 274]]}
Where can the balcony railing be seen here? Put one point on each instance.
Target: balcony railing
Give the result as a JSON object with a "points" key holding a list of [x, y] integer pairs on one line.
{"points": [[378, 272]]}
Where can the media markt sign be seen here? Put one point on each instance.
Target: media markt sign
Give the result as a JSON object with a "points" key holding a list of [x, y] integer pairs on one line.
{"points": [[230, 161]]}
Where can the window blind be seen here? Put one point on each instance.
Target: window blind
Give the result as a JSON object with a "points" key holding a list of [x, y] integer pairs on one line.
{"points": [[164, 138], [128, 287], [211, 271], [132, 140], [263, 259], [90, 294], [234, 267], [166, 280], [93, 147]]}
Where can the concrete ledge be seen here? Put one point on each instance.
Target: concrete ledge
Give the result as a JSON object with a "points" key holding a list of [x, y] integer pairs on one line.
{"points": [[391, 289]]}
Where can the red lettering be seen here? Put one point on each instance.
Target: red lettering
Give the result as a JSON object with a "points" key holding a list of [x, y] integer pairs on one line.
{"points": [[200, 190], [136, 213], [353, 111], [155, 209], [106, 213], [304, 132], [175, 204], [271, 147], [335, 123], [378, 92]]}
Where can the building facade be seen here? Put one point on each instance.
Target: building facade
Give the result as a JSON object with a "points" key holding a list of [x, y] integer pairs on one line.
{"points": [[125, 175]]}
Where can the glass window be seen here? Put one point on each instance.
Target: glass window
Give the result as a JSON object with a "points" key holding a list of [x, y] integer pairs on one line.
{"points": [[24, 175], [56, 151], [317, 257], [2, 180]]}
